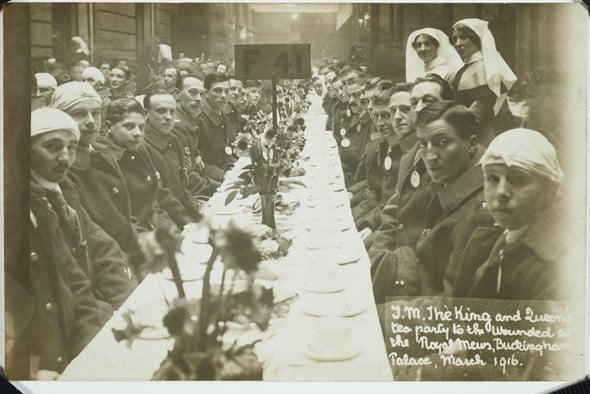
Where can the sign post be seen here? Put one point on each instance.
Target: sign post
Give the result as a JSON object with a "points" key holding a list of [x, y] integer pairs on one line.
{"points": [[273, 61]]}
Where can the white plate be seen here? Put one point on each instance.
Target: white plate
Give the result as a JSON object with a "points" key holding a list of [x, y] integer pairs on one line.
{"points": [[347, 255], [344, 225], [327, 287], [349, 310], [347, 351]]}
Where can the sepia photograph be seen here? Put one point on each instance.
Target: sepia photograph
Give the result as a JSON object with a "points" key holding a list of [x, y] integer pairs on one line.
{"points": [[295, 192]]}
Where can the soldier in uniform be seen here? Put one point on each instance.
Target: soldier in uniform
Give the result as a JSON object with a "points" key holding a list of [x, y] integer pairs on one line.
{"points": [[51, 312], [449, 148], [232, 109], [351, 138], [341, 113], [168, 155], [216, 132], [390, 151]]}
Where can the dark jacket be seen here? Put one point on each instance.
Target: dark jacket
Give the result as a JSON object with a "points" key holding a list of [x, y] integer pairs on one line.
{"points": [[234, 114], [389, 179], [169, 159], [350, 155], [187, 131], [122, 196], [533, 268], [99, 255], [340, 118], [51, 313], [216, 133]]}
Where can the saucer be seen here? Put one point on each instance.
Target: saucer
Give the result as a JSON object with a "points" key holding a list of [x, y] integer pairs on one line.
{"points": [[318, 352], [347, 310], [345, 255], [326, 287]]}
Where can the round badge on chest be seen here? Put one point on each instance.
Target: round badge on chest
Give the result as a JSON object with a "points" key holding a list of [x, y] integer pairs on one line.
{"points": [[358, 128], [343, 131], [348, 112], [345, 142], [415, 179], [228, 150], [387, 163]]}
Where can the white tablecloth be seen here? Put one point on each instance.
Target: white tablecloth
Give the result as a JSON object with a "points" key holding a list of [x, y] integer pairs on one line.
{"points": [[282, 349]]}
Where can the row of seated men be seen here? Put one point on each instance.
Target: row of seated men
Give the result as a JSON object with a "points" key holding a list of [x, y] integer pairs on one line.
{"points": [[92, 195], [441, 213]]}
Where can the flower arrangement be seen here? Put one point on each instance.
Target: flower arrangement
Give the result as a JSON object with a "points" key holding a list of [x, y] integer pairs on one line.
{"points": [[198, 325]]}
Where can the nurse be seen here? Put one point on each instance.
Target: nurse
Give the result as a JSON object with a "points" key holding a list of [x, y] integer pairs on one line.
{"points": [[428, 51]]}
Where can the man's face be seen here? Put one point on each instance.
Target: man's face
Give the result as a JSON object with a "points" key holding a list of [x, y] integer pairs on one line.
{"points": [[61, 76], [52, 154], [117, 78], [46, 92], [105, 68], [341, 92], [383, 119], [355, 102], [254, 95], [87, 114], [162, 112], [423, 94], [351, 78], [514, 196], [243, 103], [191, 96], [217, 94], [235, 92], [76, 73], [221, 69], [403, 119], [170, 76], [129, 132], [445, 154]]}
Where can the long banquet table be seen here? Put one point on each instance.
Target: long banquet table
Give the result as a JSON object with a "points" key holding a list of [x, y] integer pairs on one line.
{"points": [[282, 346]]}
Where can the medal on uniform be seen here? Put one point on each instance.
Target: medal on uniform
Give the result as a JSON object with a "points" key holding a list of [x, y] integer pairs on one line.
{"points": [[228, 150], [187, 151], [264, 155], [358, 128], [387, 163], [345, 142], [415, 179], [343, 131], [348, 112]]}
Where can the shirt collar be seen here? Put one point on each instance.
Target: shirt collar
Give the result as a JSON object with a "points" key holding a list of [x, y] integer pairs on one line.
{"points": [[475, 57], [44, 183], [467, 184], [547, 244], [156, 137]]}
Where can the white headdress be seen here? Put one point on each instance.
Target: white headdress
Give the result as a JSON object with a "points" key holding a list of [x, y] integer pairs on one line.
{"points": [[497, 71], [526, 149], [445, 54]]}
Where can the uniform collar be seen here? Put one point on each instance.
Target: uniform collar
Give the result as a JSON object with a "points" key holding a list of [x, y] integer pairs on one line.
{"points": [[115, 150], [408, 142], [156, 137], [44, 183], [467, 184], [211, 114], [184, 116], [475, 57]]}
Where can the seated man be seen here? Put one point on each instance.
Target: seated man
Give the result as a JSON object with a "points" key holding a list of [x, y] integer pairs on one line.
{"points": [[447, 134], [216, 132], [51, 313], [389, 156], [121, 189], [522, 180], [167, 154], [190, 105]]}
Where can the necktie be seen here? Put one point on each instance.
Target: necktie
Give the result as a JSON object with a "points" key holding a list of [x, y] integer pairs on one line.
{"points": [[67, 216]]}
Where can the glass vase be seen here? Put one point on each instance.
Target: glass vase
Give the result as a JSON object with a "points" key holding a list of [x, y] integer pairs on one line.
{"points": [[267, 201]]}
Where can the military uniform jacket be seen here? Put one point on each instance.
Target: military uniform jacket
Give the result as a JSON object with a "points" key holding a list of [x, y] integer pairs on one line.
{"points": [[123, 205], [350, 155], [216, 133], [51, 313], [535, 267], [169, 159], [403, 217], [187, 132], [340, 118], [234, 114], [327, 104], [98, 254]]}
